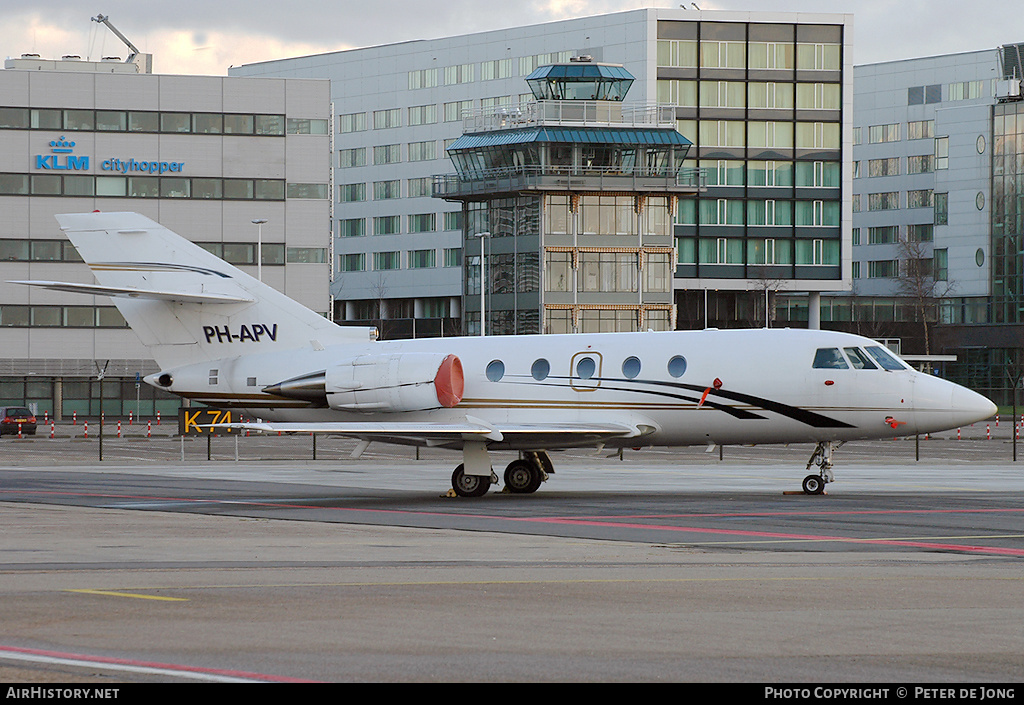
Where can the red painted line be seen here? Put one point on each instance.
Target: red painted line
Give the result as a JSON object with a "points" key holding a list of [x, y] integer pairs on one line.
{"points": [[849, 512], [606, 523], [150, 664], [793, 537]]}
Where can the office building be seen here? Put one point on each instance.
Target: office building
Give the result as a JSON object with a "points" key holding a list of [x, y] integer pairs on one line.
{"points": [[936, 260], [205, 156], [765, 98]]}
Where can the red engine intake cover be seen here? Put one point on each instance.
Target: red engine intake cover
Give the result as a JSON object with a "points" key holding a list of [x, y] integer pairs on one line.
{"points": [[449, 382]]}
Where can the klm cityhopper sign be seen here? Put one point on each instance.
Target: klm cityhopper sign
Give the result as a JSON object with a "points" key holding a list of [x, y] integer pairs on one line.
{"points": [[63, 158]]}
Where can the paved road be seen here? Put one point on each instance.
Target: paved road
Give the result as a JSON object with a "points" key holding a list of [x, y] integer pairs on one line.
{"points": [[660, 566]]}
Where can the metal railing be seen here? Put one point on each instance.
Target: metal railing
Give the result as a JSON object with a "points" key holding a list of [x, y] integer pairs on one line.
{"points": [[567, 177], [569, 113]]}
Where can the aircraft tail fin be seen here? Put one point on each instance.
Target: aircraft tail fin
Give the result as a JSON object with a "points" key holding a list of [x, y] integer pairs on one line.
{"points": [[186, 304]]}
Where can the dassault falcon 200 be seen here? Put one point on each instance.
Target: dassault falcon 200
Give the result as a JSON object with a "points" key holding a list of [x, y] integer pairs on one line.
{"points": [[222, 338]]}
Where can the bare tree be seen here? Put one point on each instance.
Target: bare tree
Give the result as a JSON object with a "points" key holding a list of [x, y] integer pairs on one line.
{"points": [[916, 281], [763, 285]]}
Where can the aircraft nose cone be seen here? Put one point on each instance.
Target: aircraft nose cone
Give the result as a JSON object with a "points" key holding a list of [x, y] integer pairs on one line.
{"points": [[971, 406]]}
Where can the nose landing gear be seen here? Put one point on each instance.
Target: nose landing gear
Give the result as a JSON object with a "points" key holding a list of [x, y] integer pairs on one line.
{"points": [[822, 457]]}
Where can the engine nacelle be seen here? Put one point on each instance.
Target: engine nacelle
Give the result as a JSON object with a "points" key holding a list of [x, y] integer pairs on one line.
{"points": [[397, 382]]}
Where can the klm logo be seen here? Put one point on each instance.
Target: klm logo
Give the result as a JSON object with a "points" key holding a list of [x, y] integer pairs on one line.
{"points": [[62, 157]]}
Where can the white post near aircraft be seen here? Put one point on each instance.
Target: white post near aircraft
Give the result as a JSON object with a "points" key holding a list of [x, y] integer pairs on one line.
{"points": [[224, 339]]}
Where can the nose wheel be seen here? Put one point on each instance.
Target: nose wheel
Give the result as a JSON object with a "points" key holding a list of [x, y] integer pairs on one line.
{"points": [[822, 457]]}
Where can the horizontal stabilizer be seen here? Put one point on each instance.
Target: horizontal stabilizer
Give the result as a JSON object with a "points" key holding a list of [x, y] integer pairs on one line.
{"points": [[133, 293]]}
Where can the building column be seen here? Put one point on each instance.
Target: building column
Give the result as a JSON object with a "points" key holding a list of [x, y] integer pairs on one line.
{"points": [[814, 310]]}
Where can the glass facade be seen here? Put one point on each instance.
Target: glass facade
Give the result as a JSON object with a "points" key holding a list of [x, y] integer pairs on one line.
{"points": [[762, 103], [1007, 256]]}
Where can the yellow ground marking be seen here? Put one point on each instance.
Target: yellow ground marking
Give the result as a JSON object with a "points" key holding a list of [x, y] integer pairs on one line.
{"points": [[134, 595]]}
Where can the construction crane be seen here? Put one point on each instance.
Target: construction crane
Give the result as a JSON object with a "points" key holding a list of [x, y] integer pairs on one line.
{"points": [[105, 19]]}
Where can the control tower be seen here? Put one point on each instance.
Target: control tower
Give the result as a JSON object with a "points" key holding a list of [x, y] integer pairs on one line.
{"points": [[568, 203]]}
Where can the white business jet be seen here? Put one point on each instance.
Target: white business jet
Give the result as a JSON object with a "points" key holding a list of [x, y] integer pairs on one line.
{"points": [[224, 339]]}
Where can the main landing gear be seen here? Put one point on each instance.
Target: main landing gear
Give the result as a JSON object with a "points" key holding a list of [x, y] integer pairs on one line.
{"points": [[522, 476], [822, 457]]}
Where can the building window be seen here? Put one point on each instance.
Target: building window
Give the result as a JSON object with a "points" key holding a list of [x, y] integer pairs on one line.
{"points": [[315, 191], [422, 151], [941, 202], [387, 154], [723, 94], [920, 129], [455, 111], [940, 261], [920, 233], [422, 78], [817, 135], [306, 255], [384, 119], [387, 225], [884, 201], [677, 53], [352, 122], [884, 167], [463, 73], [878, 134], [352, 227], [453, 220], [422, 222], [498, 68], [453, 257], [818, 96], [770, 55], [306, 126], [941, 153], [384, 190], [768, 134], [883, 235], [422, 259], [422, 115], [921, 198], [352, 157], [920, 164], [386, 260], [883, 269], [352, 263], [351, 193], [723, 55], [818, 57], [419, 187]]}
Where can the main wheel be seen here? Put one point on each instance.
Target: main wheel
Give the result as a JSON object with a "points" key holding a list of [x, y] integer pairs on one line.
{"points": [[523, 477], [813, 484], [470, 485]]}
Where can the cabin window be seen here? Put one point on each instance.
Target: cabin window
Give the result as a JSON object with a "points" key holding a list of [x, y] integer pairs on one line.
{"points": [[540, 370], [586, 368], [495, 370], [677, 366], [859, 360], [829, 359], [631, 367], [883, 358]]}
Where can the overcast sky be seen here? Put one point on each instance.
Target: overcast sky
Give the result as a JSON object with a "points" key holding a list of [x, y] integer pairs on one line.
{"points": [[208, 36]]}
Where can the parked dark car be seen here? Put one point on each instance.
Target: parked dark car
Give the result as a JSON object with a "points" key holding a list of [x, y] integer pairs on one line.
{"points": [[13, 416]]}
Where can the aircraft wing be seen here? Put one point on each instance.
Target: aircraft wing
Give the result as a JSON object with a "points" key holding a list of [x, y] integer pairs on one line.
{"points": [[133, 293], [432, 433]]}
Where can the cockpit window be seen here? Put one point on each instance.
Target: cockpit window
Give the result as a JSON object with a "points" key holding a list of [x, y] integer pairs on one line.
{"points": [[829, 359], [884, 358], [859, 360]]}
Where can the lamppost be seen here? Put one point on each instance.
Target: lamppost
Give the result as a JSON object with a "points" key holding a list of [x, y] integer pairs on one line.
{"points": [[258, 222], [483, 278]]}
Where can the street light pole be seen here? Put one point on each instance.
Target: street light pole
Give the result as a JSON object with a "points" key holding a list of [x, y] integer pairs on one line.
{"points": [[258, 222], [483, 277]]}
